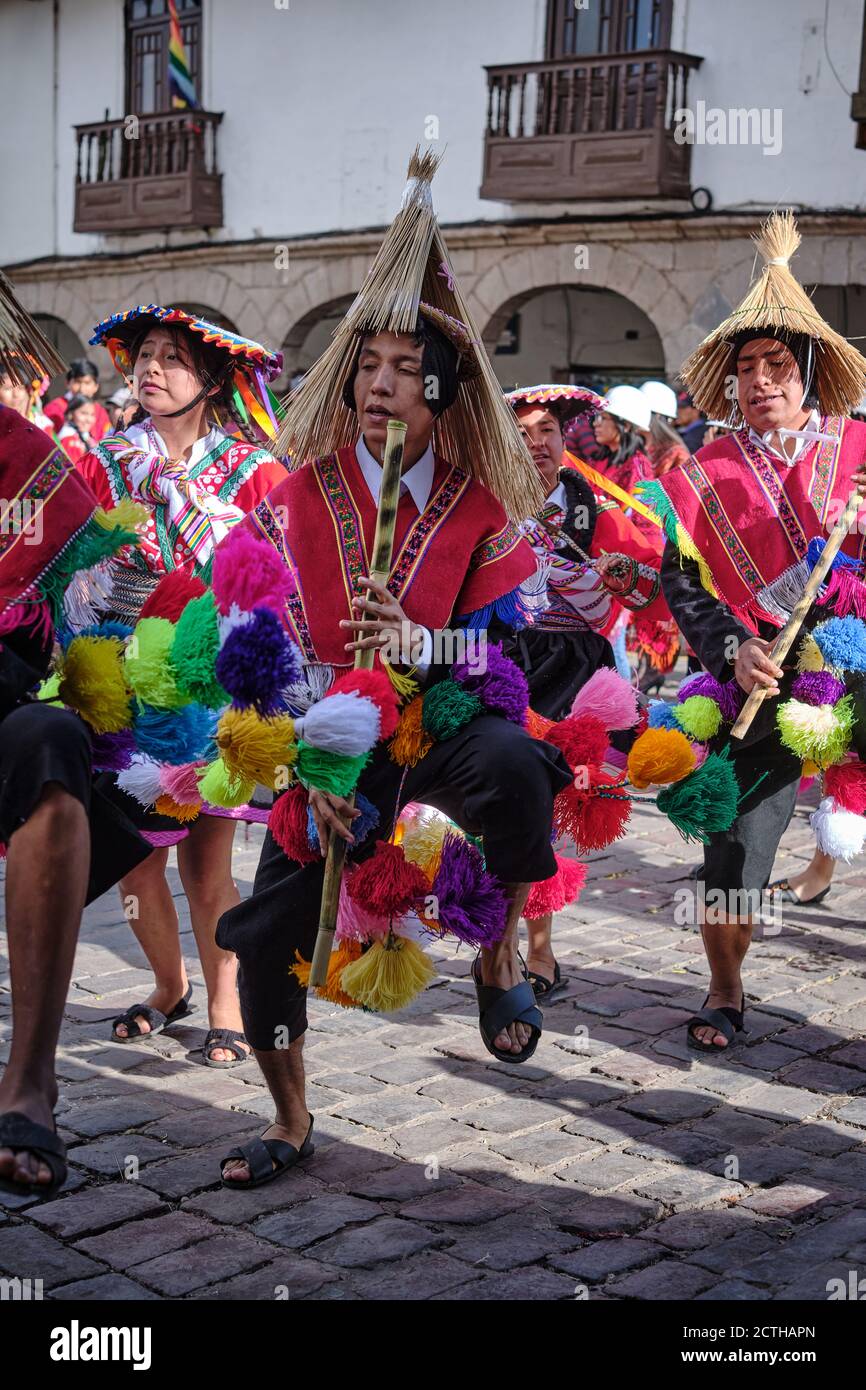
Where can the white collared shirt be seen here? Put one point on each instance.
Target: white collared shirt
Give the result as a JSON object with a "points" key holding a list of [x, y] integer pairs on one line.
{"points": [[417, 480], [557, 497], [813, 423]]}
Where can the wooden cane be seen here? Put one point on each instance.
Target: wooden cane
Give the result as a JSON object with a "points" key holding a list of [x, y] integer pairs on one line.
{"points": [[785, 639], [380, 569]]}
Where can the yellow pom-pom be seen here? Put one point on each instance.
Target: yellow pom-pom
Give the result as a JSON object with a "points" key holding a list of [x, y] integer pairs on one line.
{"points": [[256, 749], [93, 683], [388, 975], [219, 787], [660, 756], [183, 812], [301, 970], [148, 668], [809, 656], [127, 515], [810, 769], [422, 842], [411, 741]]}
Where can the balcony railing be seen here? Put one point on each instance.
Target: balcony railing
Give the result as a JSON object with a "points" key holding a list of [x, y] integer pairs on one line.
{"points": [[147, 173], [594, 127]]}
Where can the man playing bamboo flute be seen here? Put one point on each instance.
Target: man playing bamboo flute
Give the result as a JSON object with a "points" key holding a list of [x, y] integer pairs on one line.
{"points": [[457, 558], [740, 517]]}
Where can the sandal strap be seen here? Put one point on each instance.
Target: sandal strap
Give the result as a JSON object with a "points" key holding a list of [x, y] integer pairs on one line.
{"points": [[153, 1016], [18, 1132], [228, 1038], [714, 1018], [257, 1157], [515, 1005]]}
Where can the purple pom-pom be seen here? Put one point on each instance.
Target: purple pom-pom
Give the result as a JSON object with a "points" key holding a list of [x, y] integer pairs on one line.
{"points": [[257, 661], [471, 903], [818, 688], [113, 752], [499, 684], [729, 697]]}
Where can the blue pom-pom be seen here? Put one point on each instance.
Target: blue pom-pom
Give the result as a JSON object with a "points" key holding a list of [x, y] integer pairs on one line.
{"points": [[510, 609], [257, 661], [174, 736], [842, 642], [840, 562], [662, 715]]}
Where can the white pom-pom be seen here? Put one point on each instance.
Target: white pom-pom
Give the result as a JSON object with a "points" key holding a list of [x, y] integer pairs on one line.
{"points": [[227, 622], [142, 779], [345, 723], [838, 833]]}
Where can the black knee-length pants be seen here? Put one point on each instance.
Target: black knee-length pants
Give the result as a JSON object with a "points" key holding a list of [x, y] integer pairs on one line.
{"points": [[492, 779]]}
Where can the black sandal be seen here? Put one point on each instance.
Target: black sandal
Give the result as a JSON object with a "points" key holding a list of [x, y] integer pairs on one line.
{"points": [[21, 1134], [229, 1039], [782, 890], [260, 1155], [497, 1008], [158, 1021], [545, 990], [727, 1021]]}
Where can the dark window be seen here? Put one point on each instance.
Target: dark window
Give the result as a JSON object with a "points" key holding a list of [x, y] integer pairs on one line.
{"points": [[606, 26], [147, 35]]}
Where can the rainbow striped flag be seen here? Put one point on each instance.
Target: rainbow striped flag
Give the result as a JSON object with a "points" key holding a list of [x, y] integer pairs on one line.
{"points": [[179, 79]]}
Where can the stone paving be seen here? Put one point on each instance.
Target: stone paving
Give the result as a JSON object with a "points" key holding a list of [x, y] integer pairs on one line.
{"points": [[615, 1165]]}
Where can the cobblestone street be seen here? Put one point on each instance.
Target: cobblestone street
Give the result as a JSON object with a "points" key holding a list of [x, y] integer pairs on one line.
{"points": [[616, 1165]]}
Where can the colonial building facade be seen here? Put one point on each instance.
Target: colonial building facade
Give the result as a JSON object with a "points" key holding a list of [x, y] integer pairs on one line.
{"points": [[605, 163]]}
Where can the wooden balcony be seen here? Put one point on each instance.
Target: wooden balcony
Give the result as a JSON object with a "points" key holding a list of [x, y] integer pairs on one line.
{"points": [[157, 175], [590, 128]]}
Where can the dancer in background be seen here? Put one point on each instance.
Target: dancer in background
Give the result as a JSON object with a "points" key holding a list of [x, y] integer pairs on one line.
{"points": [[82, 379], [196, 454]]}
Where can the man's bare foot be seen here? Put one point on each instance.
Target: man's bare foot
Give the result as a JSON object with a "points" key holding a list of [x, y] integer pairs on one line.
{"points": [[19, 1165], [718, 999], [165, 999], [500, 967], [237, 1169]]}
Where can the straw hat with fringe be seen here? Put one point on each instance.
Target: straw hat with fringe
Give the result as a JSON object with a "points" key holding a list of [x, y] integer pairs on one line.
{"points": [[776, 301], [25, 352], [411, 275]]}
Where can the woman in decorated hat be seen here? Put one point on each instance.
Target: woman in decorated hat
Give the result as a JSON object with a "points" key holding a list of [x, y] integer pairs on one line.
{"points": [[196, 452]]}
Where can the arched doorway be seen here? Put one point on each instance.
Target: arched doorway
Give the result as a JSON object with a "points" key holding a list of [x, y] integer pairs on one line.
{"points": [[590, 335], [307, 339], [68, 345]]}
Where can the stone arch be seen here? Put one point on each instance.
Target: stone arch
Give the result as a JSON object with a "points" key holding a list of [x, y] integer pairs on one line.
{"points": [[309, 334], [67, 343]]}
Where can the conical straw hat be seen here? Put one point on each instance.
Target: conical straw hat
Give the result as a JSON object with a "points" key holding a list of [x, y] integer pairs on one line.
{"points": [[25, 352], [410, 274], [776, 301]]}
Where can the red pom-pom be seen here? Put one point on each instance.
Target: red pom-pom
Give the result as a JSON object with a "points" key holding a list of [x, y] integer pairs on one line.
{"points": [[172, 594], [846, 783], [593, 816], [388, 883], [376, 686], [288, 825], [553, 894], [581, 738]]}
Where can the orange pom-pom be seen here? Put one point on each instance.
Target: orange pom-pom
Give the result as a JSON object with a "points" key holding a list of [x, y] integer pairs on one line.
{"points": [[536, 724], [167, 806], [411, 741], [659, 757]]}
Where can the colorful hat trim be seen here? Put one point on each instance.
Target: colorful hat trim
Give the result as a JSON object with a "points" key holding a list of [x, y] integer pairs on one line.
{"points": [[581, 397], [113, 332]]}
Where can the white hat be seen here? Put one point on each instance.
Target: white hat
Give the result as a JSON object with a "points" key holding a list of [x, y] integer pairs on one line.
{"points": [[662, 399], [628, 404]]}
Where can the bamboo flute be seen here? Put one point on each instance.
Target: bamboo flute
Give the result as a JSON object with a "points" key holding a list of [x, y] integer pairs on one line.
{"points": [[383, 544]]}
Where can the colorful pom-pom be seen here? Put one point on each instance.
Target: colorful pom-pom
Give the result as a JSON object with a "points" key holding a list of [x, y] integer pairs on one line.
{"points": [[93, 683], [257, 749], [842, 643], [554, 893], [329, 772], [662, 716], [388, 884], [181, 783], [704, 802], [581, 739], [142, 780], [699, 717], [354, 922], [288, 826], [410, 742], [839, 833], [469, 902], [183, 812], [818, 688], [113, 752], [249, 572], [611, 698], [660, 756], [821, 733], [373, 685], [171, 595], [257, 661], [222, 788], [194, 653], [175, 736], [423, 840], [846, 783], [346, 723], [497, 681], [593, 816], [536, 724], [147, 663], [809, 656], [447, 708], [388, 975]]}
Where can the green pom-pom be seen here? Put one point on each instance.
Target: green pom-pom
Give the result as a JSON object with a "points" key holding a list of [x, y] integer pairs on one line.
{"points": [[147, 664], [704, 802], [821, 733], [329, 772], [699, 717], [217, 786], [194, 653], [50, 688], [447, 708]]}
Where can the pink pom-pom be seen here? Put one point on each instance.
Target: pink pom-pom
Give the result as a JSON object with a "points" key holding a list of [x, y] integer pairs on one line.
{"points": [[553, 894], [354, 922], [846, 783], [609, 697], [250, 573], [288, 826], [181, 784], [375, 686], [700, 751]]}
